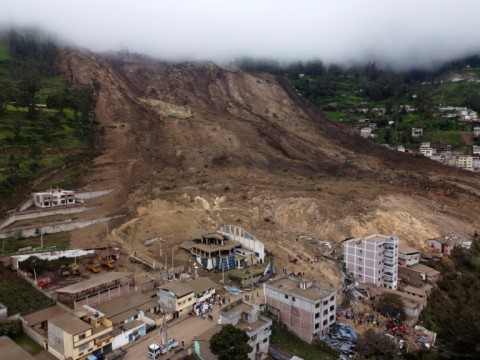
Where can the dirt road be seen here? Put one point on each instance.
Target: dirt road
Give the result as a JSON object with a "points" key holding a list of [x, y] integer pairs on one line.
{"points": [[185, 330]]}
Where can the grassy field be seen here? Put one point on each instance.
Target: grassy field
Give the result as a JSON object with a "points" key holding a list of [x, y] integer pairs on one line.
{"points": [[286, 340], [61, 241]]}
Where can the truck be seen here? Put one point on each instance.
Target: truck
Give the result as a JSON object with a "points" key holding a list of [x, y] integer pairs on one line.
{"points": [[155, 350], [107, 263], [93, 267]]}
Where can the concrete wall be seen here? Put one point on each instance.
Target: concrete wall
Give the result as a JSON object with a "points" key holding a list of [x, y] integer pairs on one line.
{"points": [[123, 338], [91, 194], [53, 227], [35, 336], [35, 214]]}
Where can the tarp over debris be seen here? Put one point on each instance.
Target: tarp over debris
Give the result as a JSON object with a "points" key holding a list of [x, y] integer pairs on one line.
{"points": [[342, 337]]}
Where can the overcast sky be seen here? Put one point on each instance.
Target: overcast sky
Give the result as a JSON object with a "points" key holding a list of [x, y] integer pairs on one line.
{"points": [[400, 32]]}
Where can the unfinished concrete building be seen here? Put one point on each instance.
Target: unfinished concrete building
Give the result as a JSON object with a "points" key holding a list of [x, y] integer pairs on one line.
{"points": [[305, 307]]}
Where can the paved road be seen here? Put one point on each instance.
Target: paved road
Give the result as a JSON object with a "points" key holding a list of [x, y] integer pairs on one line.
{"points": [[184, 330]]}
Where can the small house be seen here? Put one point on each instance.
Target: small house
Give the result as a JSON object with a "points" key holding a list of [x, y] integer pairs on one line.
{"points": [[441, 245]]}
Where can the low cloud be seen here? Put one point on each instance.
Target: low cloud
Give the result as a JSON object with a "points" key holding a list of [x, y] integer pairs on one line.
{"points": [[401, 33]]}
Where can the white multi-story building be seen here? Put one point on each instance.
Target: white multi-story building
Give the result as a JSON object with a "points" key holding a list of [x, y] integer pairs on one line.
{"points": [[373, 259], [308, 309], [246, 316], [54, 197]]}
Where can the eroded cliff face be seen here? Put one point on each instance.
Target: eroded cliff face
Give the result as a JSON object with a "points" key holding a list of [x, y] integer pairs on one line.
{"points": [[191, 145]]}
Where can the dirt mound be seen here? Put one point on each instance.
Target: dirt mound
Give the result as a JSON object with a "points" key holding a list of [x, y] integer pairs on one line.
{"points": [[252, 153]]}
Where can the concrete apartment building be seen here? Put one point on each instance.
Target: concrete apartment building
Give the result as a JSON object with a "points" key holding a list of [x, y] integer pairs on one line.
{"points": [[79, 333], [306, 308], [54, 197], [246, 316], [373, 259]]}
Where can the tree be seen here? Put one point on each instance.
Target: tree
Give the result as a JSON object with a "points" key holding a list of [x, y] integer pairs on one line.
{"points": [[375, 346], [391, 304], [230, 344]]}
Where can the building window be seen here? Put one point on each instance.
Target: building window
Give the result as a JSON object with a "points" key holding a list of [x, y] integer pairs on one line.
{"points": [[265, 340], [293, 299], [359, 268], [81, 336], [317, 326], [332, 298], [286, 296], [317, 315], [361, 251], [332, 317], [254, 337], [325, 312], [83, 347], [332, 307], [317, 306], [325, 302], [325, 322]]}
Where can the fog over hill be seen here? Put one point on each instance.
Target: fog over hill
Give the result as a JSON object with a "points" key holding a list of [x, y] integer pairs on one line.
{"points": [[401, 34]]}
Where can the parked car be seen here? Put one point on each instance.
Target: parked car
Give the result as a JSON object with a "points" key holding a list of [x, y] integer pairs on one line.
{"points": [[44, 282]]}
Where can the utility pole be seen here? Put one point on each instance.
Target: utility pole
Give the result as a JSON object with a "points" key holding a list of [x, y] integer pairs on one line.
{"points": [[223, 274]]}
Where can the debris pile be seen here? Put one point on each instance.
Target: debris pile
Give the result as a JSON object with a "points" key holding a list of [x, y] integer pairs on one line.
{"points": [[342, 337], [425, 336]]}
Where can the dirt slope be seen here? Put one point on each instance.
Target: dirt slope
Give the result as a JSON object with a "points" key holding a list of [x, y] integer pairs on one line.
{"points": [[192, 145]]}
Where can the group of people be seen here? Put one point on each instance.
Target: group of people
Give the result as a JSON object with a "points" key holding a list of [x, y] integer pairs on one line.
{"points": [[365, 319]]}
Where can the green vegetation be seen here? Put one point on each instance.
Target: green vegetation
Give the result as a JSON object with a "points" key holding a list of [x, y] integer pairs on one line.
{"points": [[230, 343], [395, 102], [27, 343], [45, 123], [288, 341], [372, 345], [60, 241], [4, 52], [40, 266], [19, 295], [453, 310], [10, 327]]}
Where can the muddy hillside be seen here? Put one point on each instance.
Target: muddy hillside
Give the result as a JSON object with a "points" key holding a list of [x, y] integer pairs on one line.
{"points": [[192, 145]]}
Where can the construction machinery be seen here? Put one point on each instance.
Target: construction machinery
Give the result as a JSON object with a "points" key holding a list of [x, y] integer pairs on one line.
{"points": [[107, 263], [74, 269], [94, 267]]}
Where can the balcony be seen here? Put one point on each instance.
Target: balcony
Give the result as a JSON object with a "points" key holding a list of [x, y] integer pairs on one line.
{"points": [[389, 263], [388, 279], [389, 254], [104, 338]]}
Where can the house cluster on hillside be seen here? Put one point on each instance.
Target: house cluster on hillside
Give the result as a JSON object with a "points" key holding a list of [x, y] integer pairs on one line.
{"points": [[379, 263], [445, 155], [112, 310]]}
